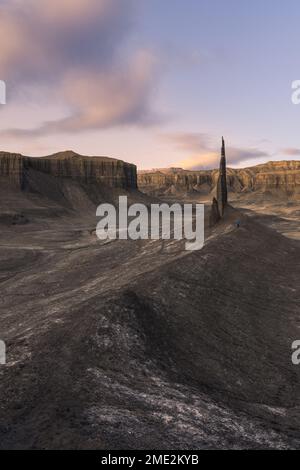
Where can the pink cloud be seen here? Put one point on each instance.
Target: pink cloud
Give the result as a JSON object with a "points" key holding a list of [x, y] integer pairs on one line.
{"points": [[203, 153], [291, 152], [117, 96], [72, 49]]}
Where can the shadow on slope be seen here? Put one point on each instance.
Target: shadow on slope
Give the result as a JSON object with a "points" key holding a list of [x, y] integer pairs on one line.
{"points": [[195, 353]]}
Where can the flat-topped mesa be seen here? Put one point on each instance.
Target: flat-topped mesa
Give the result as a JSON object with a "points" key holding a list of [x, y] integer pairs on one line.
{"points": [[277, 177], [101, 170], [173, 180], [222, 196]]}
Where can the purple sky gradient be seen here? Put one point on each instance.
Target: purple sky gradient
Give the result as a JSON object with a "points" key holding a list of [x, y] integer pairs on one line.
{"points": [[151, 82]]}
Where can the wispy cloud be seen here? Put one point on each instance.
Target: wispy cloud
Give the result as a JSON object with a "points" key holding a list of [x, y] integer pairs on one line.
{"points": [[75, 50], [204, 153], [291, 152], [188, 141]]}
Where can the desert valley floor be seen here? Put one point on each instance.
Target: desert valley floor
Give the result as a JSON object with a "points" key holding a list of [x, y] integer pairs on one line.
{"points": [[142, 345]]}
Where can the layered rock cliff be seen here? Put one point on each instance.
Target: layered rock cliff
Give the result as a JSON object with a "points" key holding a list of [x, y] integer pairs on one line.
{"points": [[282, 176], [11, 168], [172, 181], [15, 169]]}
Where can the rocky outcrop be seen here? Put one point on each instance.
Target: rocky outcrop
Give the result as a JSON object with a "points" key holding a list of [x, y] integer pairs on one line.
{"points": [[275, 177], [214, 216], [175, 181], [222, 182], [218, 207], [12, 168], [109, 172]]}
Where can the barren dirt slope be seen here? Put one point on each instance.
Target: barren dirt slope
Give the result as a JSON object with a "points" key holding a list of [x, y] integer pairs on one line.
{"points": [[143, 345]]}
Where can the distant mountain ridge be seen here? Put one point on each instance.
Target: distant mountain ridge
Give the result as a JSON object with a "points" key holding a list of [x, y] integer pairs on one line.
{"points": [[26, 173], [277, 176]]}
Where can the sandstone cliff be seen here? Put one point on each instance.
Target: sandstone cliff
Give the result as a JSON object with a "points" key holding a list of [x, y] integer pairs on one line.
{"points": [[274, 177], [16, 169]]}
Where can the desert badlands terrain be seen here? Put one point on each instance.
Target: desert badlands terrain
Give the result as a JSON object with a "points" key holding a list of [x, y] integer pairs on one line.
{"points": [[127, 344]]}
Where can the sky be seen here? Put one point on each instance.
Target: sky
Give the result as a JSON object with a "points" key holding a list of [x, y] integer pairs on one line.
{"points": [[155, 83]]}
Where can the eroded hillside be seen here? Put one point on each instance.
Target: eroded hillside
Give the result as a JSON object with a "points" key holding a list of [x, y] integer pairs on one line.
{"points": [[141, 344], [274, 177]]}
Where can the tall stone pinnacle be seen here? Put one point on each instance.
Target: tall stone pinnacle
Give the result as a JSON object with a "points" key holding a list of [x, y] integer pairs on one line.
{"points": [[222, 182]]}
